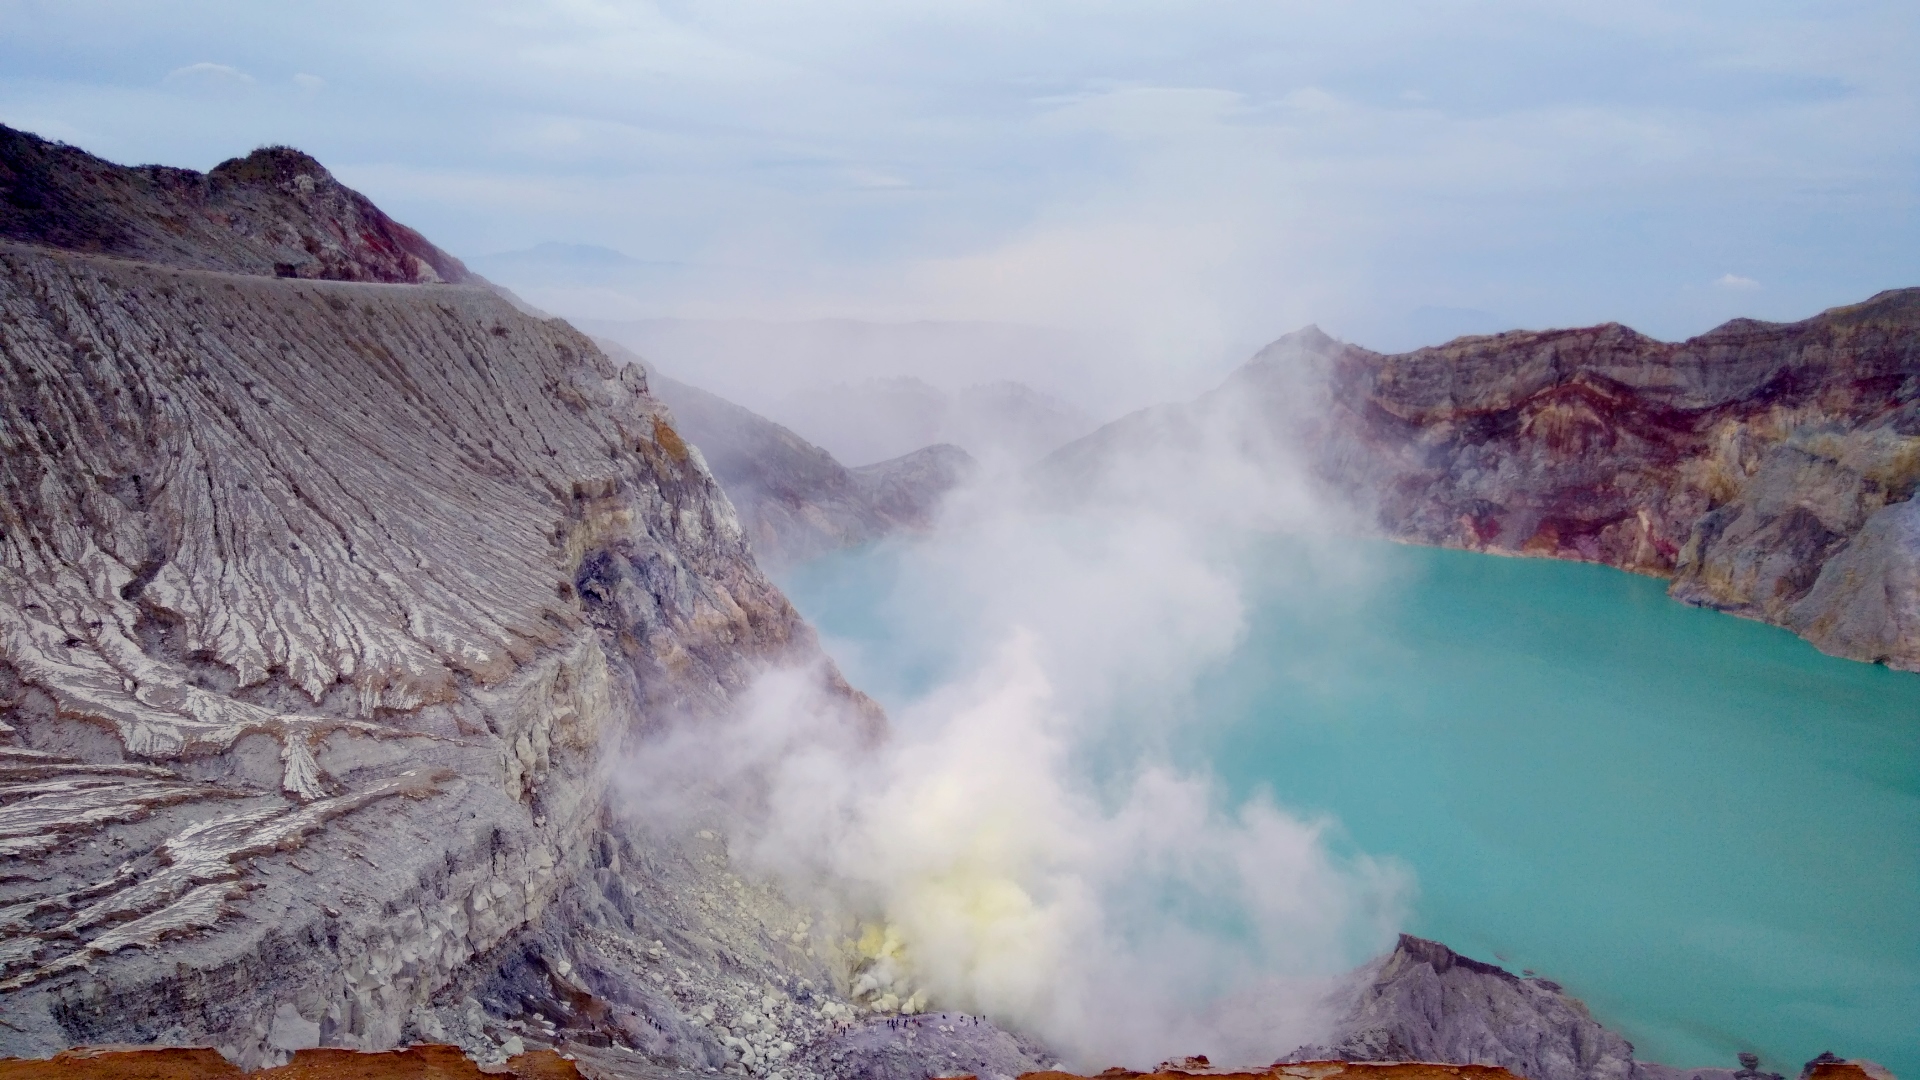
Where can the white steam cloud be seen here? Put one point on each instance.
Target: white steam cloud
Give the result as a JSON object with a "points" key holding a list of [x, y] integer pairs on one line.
{"points": [[1024, 835]]}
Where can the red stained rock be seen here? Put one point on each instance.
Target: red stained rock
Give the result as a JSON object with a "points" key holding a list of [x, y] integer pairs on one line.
{"points": [[1303, 1070], [425, 1062]]}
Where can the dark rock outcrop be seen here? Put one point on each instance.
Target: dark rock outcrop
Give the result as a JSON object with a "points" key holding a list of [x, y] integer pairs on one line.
{"points": [[1827, 1066], [1425, 1002]]}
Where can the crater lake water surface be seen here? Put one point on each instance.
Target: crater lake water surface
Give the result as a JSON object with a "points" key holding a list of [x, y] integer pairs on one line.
{"points": [[1700, 825]]}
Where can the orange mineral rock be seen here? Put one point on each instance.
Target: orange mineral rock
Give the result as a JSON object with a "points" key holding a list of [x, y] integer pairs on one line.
{"points": [[426, 1062], [1854, 1069], [1302, 1070]]}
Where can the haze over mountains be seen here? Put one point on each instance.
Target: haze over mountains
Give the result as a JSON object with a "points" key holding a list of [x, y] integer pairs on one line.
{"points": [[795, 499], [877, 419], [358, 627], [558, 263], [872, 391], [383, 660], [1768, 469], [866, 391]]}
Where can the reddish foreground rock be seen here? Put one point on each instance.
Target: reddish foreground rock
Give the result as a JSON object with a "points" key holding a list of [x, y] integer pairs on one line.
{"points": [[427, 1062], [440, 1062], [1822, 1069], [1819, 1069], [1301, 1070]]}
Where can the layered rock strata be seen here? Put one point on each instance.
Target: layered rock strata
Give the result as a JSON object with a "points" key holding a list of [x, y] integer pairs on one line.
{"points": [[1765, 468], [327, 609]]}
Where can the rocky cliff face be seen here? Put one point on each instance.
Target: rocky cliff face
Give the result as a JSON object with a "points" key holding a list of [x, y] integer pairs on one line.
{"points": [[275, 212], [795, 501], [326, 609], [1424, 1002], [1765, 468]]}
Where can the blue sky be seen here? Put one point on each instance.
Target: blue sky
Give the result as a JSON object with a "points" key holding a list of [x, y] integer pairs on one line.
{"points": [[1193, 177]]}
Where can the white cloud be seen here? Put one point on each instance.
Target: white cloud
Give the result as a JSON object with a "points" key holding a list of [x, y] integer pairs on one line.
{"points": [[209, 76], [1736, 282], [1341, 163], [309, 85]]}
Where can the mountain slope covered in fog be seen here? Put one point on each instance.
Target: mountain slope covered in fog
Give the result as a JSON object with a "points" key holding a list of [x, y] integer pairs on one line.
{"points": [[1766, 468], [879, 418], [795, 501], [869, 391]]}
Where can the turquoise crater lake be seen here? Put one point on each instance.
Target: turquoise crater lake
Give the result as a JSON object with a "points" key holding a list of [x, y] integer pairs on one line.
{"points": [[1700, 825]]}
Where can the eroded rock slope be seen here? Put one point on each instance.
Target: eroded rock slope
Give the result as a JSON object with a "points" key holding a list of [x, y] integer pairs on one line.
{"points": [[326, 609]]}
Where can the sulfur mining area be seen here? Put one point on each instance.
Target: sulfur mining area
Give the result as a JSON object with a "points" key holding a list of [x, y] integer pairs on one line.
{"points": [[334, 584]]}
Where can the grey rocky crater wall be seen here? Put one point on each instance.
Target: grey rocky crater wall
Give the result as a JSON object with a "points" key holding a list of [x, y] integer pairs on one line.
{"points": [[327, 608], [331, 596], [323, 607], [1764, 468], [1425, 1002]]}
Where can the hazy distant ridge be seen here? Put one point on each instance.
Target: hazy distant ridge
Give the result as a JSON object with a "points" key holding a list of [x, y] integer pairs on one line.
{"points": [[1766, 468]]}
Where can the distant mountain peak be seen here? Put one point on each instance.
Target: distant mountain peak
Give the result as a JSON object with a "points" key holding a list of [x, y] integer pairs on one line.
{"points": [[1308, 339], [270, 165], [276, 212]]}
